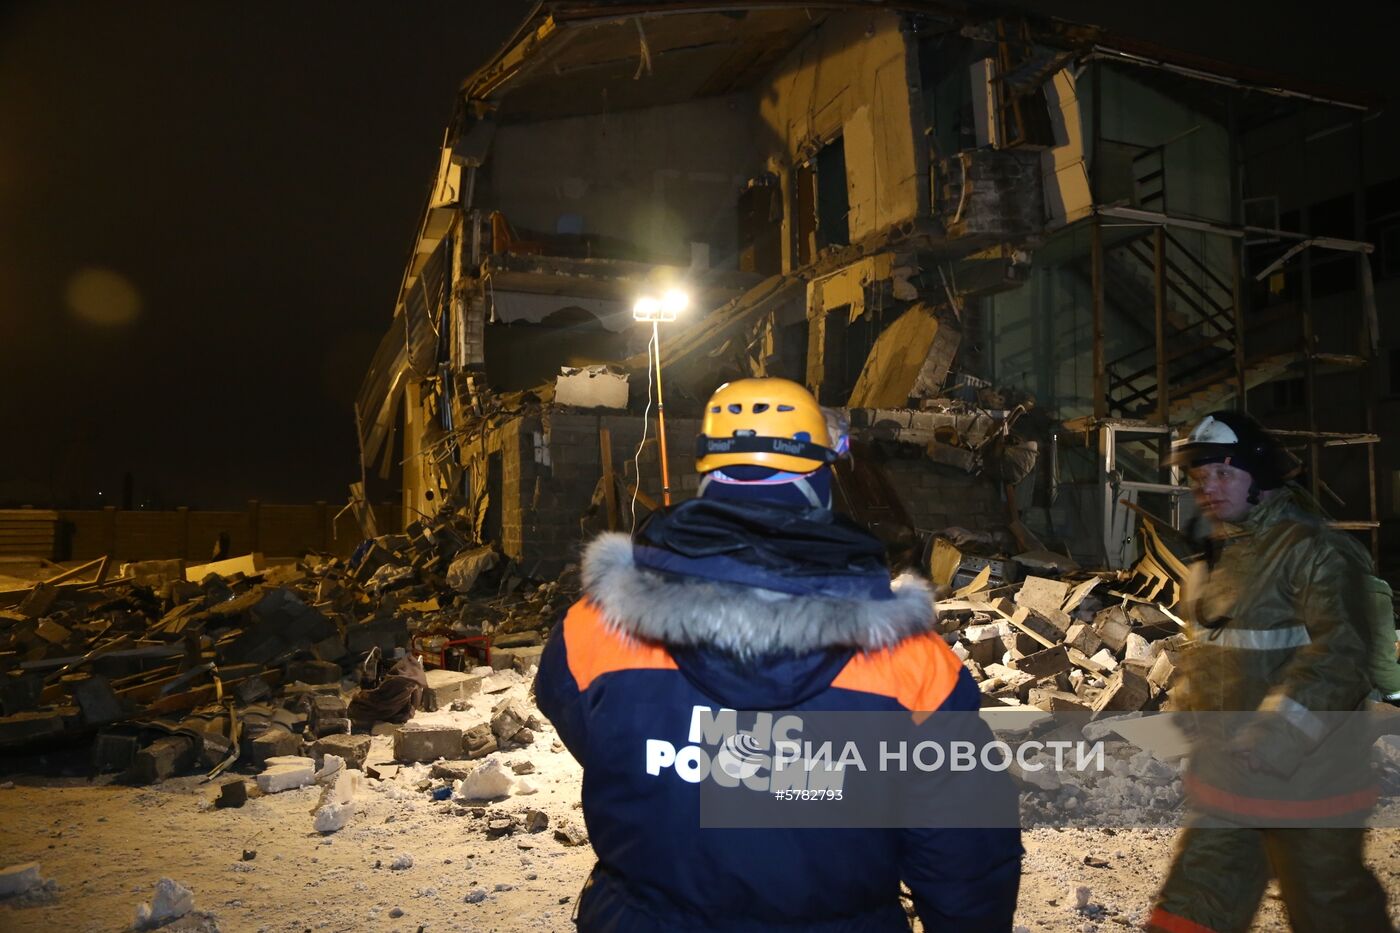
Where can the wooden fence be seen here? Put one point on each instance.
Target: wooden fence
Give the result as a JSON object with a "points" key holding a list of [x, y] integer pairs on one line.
{"points": [[274, 530]]}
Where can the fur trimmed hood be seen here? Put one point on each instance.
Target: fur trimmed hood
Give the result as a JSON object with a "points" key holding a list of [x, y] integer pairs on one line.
{"points": [[742, 620]]}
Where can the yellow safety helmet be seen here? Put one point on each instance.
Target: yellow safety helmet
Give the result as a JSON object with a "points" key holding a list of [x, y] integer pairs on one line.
{"points": [[772, 423]]}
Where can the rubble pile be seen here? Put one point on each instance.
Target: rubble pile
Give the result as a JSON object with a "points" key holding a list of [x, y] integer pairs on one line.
{"points": [[1067, 642], [165, 668]]}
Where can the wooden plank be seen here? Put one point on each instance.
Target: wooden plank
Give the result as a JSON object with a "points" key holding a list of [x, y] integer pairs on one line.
{"points": [[609, 481]]}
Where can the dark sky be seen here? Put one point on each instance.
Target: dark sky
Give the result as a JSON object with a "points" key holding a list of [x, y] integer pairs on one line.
{"points": [[253, 172], [205, 210]]}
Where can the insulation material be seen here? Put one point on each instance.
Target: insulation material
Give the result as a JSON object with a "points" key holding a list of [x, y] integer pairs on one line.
{"points": [[897, 362], [1067, 194], [590, 387]]}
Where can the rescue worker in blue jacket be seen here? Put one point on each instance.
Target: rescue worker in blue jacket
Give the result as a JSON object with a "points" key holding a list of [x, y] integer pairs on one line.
{"points": [[755, 596]]}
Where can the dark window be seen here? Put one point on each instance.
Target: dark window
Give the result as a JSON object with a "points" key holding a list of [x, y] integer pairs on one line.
{"points": [[833, 199], [1290, 394]]}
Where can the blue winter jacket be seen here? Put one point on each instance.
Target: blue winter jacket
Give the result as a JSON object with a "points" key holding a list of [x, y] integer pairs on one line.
{"points": [[630, 662]]}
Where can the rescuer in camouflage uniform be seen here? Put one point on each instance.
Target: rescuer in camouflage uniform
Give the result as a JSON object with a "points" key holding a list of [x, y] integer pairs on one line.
{"points": [[1280, 623]]}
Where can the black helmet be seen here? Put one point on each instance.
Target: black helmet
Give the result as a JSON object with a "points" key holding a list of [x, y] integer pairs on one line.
{"points": [[1234, 438]]}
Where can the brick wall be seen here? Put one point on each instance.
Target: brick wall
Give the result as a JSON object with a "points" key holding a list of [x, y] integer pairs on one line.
{"points": [[551, 465], [938, 496]]}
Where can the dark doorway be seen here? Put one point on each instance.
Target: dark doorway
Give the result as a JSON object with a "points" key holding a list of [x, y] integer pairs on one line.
{"points": [[833, 199]]}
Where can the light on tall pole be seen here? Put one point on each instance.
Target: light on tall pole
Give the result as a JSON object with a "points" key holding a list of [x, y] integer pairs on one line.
{"points": [[649, 308]]}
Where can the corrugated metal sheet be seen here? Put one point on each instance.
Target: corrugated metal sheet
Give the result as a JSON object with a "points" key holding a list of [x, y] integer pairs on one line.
{"points": [[425, 305], [378, 400], [28, 533]]}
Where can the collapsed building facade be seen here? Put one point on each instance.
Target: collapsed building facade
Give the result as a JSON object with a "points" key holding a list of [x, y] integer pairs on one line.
{"points": [[1017, 252]]}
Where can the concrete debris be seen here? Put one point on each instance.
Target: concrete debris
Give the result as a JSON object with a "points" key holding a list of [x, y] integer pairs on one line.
{"points": [[232, 794], [569, 834], [18, 879], [510, 724], [352, 749], [286, 772], [415, 742], [1067, 644], [172, 901], [311, 655]]}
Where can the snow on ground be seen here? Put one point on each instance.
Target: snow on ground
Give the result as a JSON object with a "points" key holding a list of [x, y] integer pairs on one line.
{"points": [[408, 863]]}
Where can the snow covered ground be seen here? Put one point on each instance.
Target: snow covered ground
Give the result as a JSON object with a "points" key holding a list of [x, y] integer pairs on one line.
{"points": [[409, 863]]}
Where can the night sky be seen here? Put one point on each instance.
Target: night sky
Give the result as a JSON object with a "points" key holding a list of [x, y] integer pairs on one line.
{"points": [[205, 210]]}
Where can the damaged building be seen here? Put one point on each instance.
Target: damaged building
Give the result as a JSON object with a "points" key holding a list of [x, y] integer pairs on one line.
{"points": [[1017, 252]]}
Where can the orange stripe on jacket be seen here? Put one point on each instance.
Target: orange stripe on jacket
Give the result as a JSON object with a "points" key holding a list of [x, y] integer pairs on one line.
{"points": [[1166, 922], [919, 672], [594, 649]]}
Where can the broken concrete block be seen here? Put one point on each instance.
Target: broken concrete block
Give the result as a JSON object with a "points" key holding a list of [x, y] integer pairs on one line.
{"points": [[1045, 663], [52, 632], [1042, 594], [286, 772], [1036, 625], [590, 387], [165, 756], [455, 770], [17, 879], [233, 794], [97, 700], [171, 902], [508, 720], [1136, 648], [479, 741], [536, 821], [517, 640], [527, 659], [1127, 691], [446, 686], [327, 715], [354, 749], [310, 671], [276, 742], [415, 742], [112, 752], [569, 834], [488, 781], [462, 573], [1105, 661], [1082, 637], [1162, 674], [1113, 627], [1054, 700]]}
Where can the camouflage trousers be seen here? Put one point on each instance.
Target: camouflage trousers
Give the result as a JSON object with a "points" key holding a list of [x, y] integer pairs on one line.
{"points": [[1219, 874]]}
